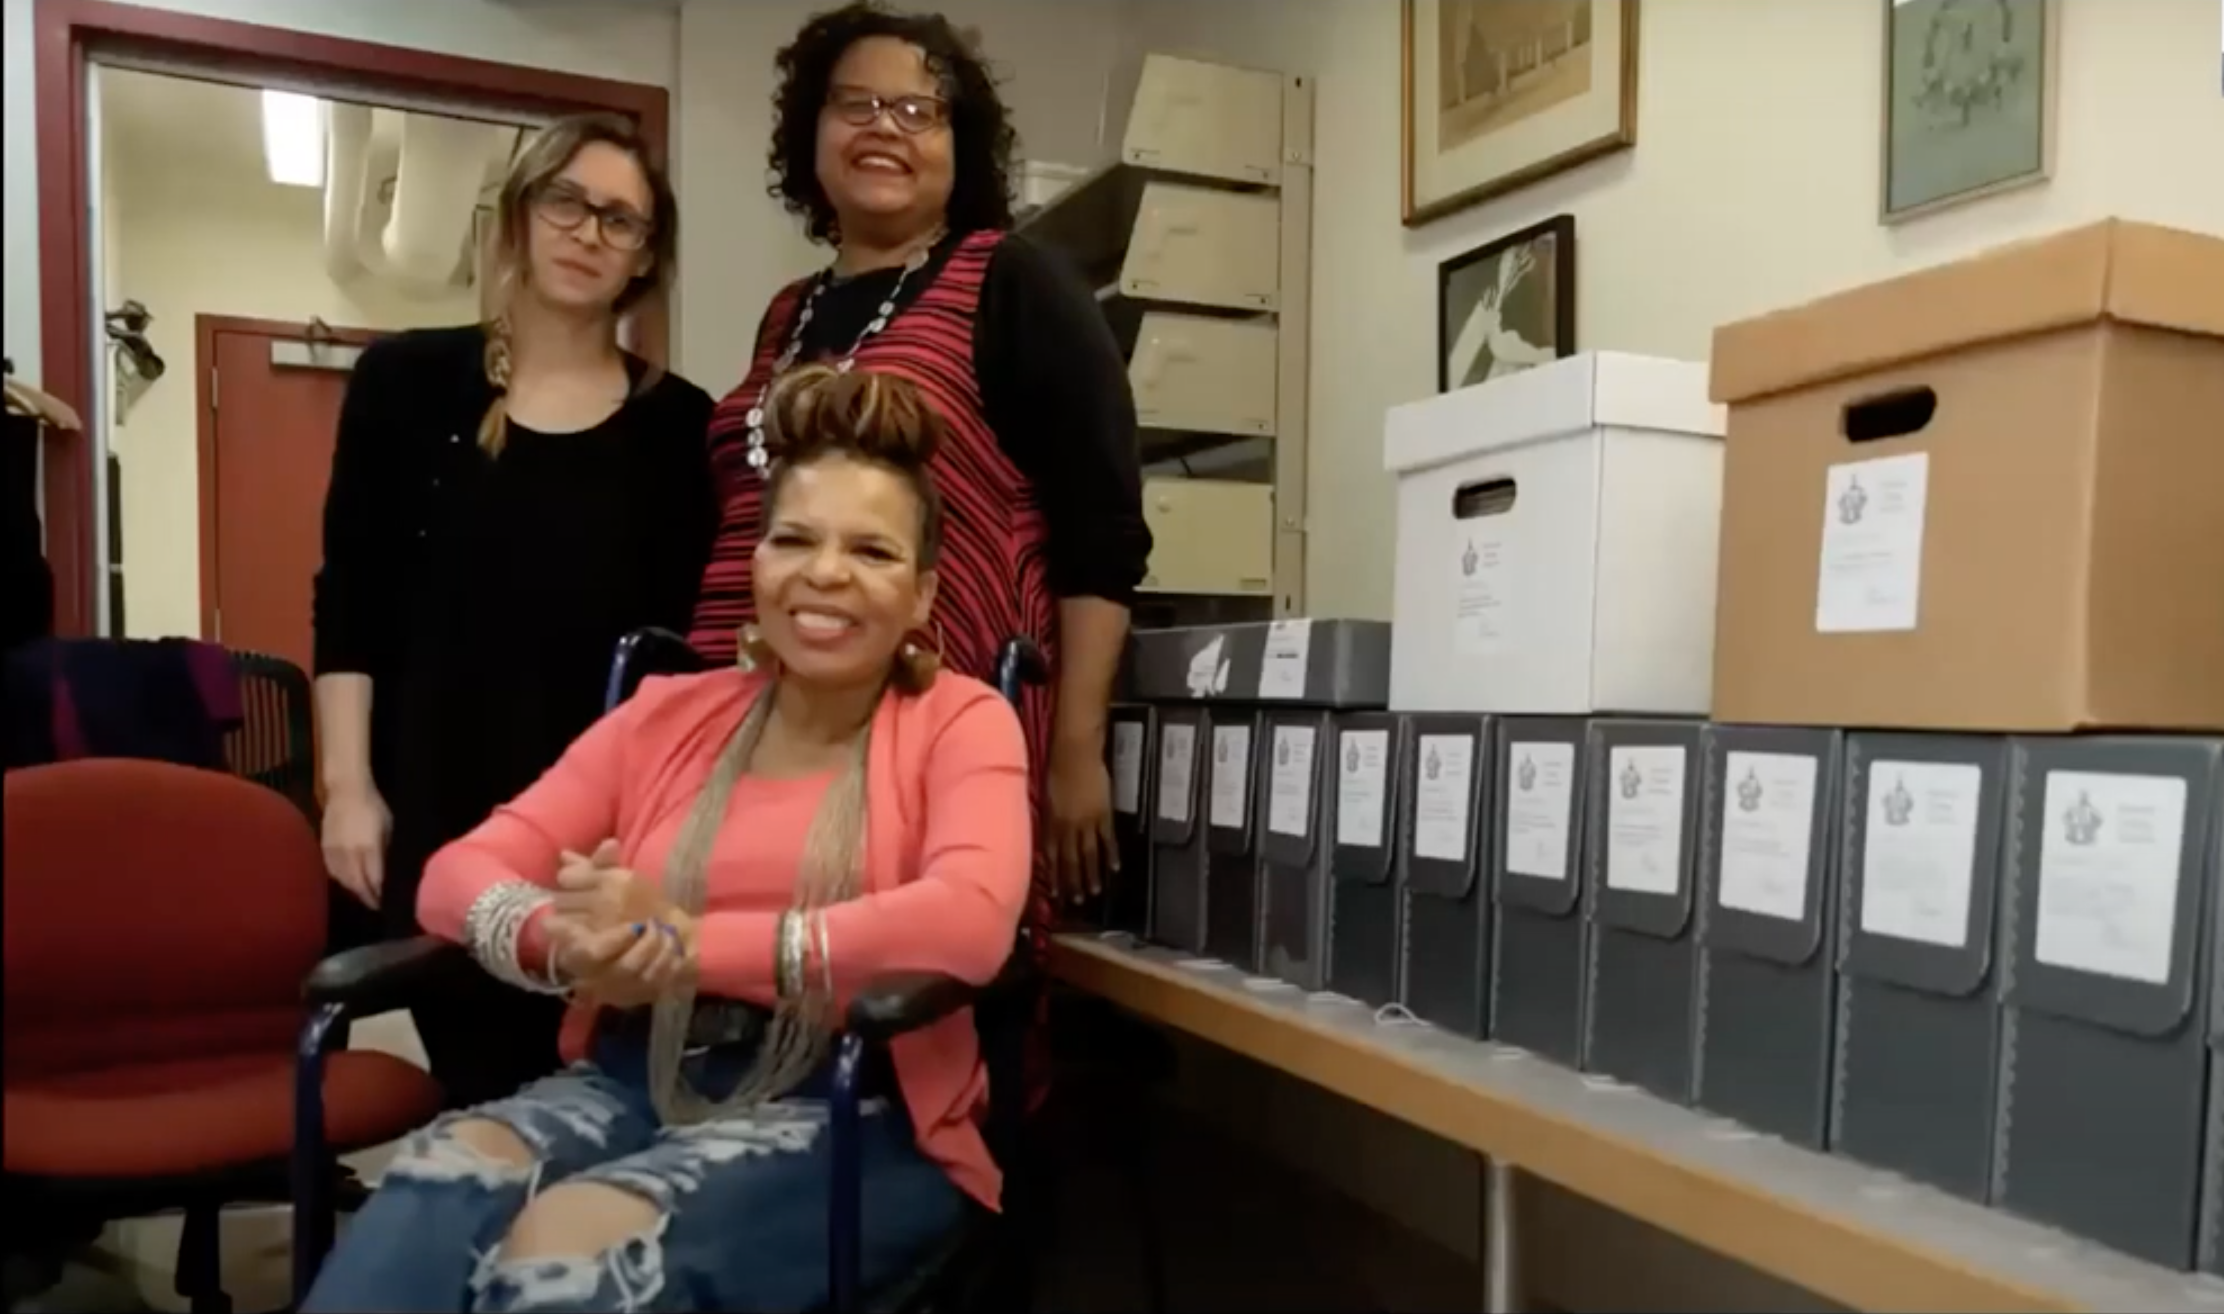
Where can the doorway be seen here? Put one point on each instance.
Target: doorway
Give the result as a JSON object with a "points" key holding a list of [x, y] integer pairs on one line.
{"points": [[76, 42], [270, 398]]}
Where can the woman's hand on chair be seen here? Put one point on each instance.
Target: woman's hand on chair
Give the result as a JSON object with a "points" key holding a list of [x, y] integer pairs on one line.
{"points": [[356, 828]]}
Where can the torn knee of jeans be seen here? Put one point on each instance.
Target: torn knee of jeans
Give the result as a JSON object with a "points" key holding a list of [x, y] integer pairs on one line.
{"points": [[437, 1154], [625, 1275]]}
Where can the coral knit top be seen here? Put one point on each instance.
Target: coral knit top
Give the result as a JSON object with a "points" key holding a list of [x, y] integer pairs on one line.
{"points": [[947, 852]]}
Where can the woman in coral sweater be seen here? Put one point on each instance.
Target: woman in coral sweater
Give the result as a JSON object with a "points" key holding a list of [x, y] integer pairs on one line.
{"points": [[709, 872]]}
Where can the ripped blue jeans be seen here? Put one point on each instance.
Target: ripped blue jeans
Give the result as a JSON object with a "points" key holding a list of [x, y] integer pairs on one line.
{"points": [[742, 1202]]}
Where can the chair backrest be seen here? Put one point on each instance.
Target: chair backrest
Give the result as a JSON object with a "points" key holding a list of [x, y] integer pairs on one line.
{"points": [[153, 911], [275, 744], [644, 653]]}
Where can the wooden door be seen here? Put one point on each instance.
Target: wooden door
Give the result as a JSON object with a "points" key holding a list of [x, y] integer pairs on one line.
{"points": [[272, 395]]}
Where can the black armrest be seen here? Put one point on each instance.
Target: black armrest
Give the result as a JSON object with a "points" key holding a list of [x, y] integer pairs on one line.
{"points": [[380, 977], [902, 1002]]}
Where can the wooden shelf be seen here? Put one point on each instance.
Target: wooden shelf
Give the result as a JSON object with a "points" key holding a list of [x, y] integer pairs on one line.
{"points": [[1863, 1238]]}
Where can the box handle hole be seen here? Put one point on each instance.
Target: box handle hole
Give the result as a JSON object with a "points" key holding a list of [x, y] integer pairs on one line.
{"points": [[1890, 415], [1487, 497]]}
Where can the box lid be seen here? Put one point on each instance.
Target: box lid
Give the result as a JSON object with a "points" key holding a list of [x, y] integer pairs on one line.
{"points": [[2116, 270], [1556, 400]]}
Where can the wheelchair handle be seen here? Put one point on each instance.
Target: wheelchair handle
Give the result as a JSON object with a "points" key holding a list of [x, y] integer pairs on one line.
{"points": [[1019, 663]]}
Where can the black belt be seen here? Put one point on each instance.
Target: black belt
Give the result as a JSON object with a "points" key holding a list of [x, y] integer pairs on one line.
{"points": [[716, 1024]]}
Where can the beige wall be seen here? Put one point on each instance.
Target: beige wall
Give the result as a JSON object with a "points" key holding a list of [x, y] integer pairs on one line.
{"points": [[187, 242], [1753, 186]]}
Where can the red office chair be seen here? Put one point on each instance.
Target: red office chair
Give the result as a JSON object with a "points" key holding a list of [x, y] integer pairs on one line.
{"points": [[161, 922]]}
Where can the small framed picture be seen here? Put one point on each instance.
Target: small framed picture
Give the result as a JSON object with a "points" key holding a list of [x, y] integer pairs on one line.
{"points": [[1506, 305], [1968, 101]]}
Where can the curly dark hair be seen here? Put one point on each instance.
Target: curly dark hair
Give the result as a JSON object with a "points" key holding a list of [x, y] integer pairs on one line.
{"points": [[981, 132]]}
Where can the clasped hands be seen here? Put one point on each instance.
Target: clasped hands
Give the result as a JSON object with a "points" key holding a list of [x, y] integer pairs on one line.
{"points": [[614, 935]]}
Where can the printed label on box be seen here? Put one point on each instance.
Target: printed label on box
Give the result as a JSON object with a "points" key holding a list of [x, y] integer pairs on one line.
{"points": [[1177, 767], [1231, 775], [1644, 819], [1872, 545], [1919, 863], [1441, 789], [1540, 809], [1768, 841], [1289, 648], [1362, 785], [1127, 767], [1289, 796], [1481, 621], [2109, 869]]}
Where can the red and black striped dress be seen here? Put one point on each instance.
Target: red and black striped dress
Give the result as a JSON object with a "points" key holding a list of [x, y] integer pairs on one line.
{"points": [[994, 579]]}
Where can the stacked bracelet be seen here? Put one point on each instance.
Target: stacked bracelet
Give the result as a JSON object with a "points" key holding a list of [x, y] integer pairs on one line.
{"points": [[493, 928]]}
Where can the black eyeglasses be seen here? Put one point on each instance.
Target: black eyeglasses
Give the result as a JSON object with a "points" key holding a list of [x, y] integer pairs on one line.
{"points": [[912, 115], [619, 226]]}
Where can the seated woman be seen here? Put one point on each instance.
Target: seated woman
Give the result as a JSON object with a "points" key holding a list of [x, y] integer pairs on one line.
{"points": [[710, 872]]}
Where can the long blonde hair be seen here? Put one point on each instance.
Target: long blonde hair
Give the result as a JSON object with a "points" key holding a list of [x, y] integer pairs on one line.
{"points": [[545, 157]]}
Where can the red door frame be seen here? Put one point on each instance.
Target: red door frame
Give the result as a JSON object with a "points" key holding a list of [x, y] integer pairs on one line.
{"points": [[205, 329], [68, 32]]}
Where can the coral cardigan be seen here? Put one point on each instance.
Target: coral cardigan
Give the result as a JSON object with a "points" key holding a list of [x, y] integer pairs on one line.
{"points": [[947, 854]]}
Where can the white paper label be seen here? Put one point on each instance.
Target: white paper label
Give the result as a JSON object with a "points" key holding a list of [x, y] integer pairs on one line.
{"points": [[1540, 807], [2109, 869], [1231, 775], [1481, 619], [1362, 785], [1289, 797], [1872, 545], [1289, 646], [1440, 797], [1768, 833], [1208, 670], [1644, 819], [1177, 766], [1127, 767], [1921, 856]]}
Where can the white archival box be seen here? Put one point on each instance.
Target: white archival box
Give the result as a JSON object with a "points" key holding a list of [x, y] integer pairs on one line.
{"points": [[1557, 533]]}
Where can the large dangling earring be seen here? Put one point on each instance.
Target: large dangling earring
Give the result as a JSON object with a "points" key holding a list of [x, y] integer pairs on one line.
{"points": [[752, 653], [918, 663]]}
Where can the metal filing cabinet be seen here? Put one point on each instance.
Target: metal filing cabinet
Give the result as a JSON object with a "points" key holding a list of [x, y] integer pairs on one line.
{"points": [[1641, 996], [1178, 832], [1537, 880], [1365, 929], [1768, 914], [1297, 818], [1231, 832], [2105, 1061], [1919, 1013], [1447, 776]]}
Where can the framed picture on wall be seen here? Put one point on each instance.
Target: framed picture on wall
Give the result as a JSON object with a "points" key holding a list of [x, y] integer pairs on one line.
{"points": [[1501, 93], [1968, 101], [1506, 305]]}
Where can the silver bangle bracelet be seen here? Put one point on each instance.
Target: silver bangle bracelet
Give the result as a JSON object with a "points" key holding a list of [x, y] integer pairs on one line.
{"points": [[493, 927], [826, 957]]}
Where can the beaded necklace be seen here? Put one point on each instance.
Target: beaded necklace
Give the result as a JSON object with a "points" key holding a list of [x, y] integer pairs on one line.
{"points": [[794, 349]]}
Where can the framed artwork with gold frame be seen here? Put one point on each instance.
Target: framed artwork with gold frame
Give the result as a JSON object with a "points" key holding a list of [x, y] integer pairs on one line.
{"points": [[1968, 102], [1502, 93]]}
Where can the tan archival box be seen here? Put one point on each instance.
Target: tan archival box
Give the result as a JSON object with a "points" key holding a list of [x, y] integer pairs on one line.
{"points": [[1983, 496]]}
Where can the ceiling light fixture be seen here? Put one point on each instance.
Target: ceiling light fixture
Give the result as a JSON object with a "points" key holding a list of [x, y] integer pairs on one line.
{"points": [[293, 138]]}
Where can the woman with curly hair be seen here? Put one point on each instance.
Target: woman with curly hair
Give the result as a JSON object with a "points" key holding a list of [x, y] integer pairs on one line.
{"points": [[892, 145]]}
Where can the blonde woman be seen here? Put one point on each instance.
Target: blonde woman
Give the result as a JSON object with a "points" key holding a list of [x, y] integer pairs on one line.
{"points": [[709, 871], [507, 500]]}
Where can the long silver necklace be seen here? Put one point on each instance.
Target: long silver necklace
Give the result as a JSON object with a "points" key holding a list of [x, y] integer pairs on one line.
{"points": [[794, 349]]}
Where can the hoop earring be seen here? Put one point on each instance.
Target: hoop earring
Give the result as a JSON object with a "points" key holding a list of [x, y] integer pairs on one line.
{"points": [[752, 653], [917, 664]]}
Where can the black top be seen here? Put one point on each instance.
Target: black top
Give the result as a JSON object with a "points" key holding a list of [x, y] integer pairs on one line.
{"points": [[484, 597], [1054, 385]]}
